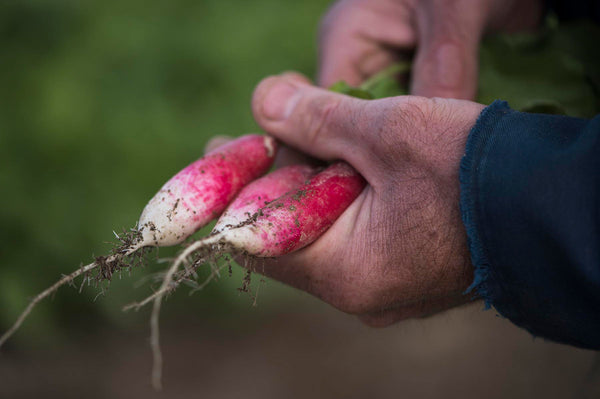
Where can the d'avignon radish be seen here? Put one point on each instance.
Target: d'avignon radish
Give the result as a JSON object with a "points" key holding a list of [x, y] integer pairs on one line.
{"points": [[257, 226], [249, 201], [284, 225], [280, 213], [201, 191], [262, 191], [187, 202], [297, 218]]}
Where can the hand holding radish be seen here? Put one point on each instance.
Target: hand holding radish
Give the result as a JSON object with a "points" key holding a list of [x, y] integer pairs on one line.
{"points": [[272, 216], [400, 250], [188, 201]]}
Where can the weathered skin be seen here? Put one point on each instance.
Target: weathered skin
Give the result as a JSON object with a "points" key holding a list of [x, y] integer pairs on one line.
{"points": [[262, 191], [200, 192], [299, 217]]}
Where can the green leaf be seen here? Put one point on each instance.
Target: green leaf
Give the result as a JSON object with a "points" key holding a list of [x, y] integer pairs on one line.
{"points": [[344, 88], [387, 83]]}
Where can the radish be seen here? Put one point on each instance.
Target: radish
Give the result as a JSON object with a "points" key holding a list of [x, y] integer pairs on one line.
{"points": [[275, 215], [249, 201], [296, 219], [262, 191], [251, 198], [289, 223], [201, 191], [254, 224], [187, 202]]}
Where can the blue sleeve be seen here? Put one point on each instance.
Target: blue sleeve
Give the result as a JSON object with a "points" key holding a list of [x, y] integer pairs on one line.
{"points": [[575, 9], [530, 201]]}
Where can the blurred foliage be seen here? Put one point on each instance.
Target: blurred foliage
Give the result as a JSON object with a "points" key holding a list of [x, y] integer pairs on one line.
{"points": [[555, 71], [101, 102]]}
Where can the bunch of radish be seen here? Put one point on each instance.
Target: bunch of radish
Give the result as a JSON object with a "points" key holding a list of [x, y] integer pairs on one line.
{"points": [[266, 216]]}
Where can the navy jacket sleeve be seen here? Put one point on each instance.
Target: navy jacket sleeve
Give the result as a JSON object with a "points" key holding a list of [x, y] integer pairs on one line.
{"points": [[530, 201], [575, 9]]}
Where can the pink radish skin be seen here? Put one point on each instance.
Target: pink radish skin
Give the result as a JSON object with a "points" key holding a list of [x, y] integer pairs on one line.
{"points": [[262, 191], [289, 223], [200, 192], [299, 217]]}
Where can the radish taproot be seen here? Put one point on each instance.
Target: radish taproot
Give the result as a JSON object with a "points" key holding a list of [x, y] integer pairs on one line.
{"points": [[201, 192], [286, 224], [191, 199], [249, 201]]}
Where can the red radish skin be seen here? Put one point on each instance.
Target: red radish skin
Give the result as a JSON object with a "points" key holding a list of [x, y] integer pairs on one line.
{"points": [[192, 198], [296, 219], [249, 201], [289, 223], [262, 191], [200, 192]]}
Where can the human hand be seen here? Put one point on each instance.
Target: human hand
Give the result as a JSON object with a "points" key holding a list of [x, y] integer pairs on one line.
{"points": [[400, 249], [360, 37]]}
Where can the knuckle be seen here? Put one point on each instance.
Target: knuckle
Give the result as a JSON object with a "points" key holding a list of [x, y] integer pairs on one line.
{"points": [[320, 118], [397, 127]]}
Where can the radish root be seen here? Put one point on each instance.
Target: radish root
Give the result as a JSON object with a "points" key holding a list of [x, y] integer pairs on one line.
{"points": [[203, 246], [106, 267], [44, 294]]}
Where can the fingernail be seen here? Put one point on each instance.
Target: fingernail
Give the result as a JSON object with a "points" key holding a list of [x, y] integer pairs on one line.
{"points": [[279, 101]]}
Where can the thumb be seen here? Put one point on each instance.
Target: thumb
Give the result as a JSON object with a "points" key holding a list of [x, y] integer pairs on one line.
{"points": [[446, 62], [314, 120]]}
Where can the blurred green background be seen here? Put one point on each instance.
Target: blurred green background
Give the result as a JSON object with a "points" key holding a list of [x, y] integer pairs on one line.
{"points": [[100, 103]]}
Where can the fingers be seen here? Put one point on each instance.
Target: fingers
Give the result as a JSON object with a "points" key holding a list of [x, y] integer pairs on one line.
{"points": [[315, 121], [359, 38], [447, 56], [339, 47]]}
